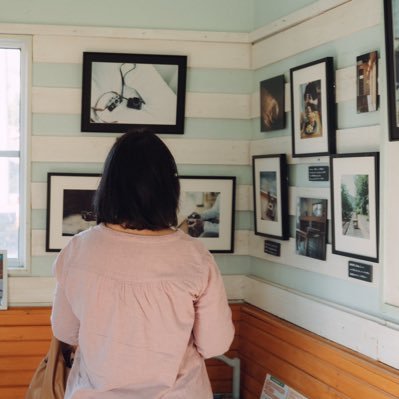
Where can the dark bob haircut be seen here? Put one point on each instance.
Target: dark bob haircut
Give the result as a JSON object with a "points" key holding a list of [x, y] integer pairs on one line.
{"points": [[139, 188]]}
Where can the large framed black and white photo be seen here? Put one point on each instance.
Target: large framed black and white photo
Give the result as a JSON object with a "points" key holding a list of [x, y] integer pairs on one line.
{"points": [[206, 210], [270, 192], [126, 91], [355, 205], [69, 206], [313, 108]]}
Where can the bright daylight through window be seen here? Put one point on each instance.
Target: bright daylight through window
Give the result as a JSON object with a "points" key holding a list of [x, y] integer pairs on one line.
{"points": [[12, 198]]}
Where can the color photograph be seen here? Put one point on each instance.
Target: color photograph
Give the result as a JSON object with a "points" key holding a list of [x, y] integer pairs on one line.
{"points": [[355, 205], [367, 82], [268, 196], [311, 227], [311, 120], [272, 104]]}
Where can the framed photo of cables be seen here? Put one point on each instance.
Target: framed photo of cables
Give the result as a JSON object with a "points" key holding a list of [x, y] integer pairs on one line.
{"points": [[127, 91]]}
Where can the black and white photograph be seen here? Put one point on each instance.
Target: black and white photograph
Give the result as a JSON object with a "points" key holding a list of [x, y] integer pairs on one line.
{"points": [[272, 104], [206, 210], [367, 82], [121, 91], [270, 193], [313, 108], [69, 207], [355, 205], [3, 280], [311, 227]]}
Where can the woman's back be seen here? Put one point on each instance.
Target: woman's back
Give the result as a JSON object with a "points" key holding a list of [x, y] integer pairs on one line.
{"points": [[145, 311]]}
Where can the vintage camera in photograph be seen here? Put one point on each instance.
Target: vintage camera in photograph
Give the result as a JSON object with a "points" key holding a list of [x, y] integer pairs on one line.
{"points": [[113, 103], [135, 102]]}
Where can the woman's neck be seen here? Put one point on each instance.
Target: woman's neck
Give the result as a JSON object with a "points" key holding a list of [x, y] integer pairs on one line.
{"points": [[144, 232]]}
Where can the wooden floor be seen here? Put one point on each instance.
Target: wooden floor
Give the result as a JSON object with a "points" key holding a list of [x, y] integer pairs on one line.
{"points": [[315, 367]]}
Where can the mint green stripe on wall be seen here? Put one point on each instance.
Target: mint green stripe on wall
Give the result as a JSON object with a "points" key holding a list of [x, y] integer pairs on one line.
{"points": [[69, 125], [198, 80]]}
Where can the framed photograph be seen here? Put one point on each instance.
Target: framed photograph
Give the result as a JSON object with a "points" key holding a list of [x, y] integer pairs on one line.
{"points": [[311, 227], [3, 280], [391, 9], [272, 104], [270, 185], [313, 108], [206, 210], [367, 82], [355, 205], [69, 206], [125, 91]]}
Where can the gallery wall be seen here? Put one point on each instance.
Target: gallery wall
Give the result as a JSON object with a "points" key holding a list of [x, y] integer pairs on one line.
{"points": [[221, 134]]}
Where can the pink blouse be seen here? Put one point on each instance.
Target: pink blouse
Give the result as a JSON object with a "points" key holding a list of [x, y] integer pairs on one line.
{"points": [[145, 311]]}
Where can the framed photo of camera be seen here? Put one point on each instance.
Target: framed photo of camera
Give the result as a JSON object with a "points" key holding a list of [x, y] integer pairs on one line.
{"points": [[206, 210], [124, 91]]}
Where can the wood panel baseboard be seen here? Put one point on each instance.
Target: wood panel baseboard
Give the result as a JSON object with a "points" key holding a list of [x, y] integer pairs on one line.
{"points": [[310, 364]]}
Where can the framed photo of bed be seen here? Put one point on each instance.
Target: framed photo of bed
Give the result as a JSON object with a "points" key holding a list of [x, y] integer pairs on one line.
{"points": [[313, 108], [206, 210], [69, 206], [126, 91], [270, 192]]}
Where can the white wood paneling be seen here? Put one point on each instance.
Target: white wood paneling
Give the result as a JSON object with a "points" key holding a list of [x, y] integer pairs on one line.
{"points": [[368, 335], [295, 18], [127, 33], [334, 265], [49, 100], [95, 149], [69, 49], [339, 22], [358, 139]]}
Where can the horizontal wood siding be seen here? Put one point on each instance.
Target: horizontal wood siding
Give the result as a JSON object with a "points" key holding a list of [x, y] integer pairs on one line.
{"points": [[314, 366], [25, 335]]}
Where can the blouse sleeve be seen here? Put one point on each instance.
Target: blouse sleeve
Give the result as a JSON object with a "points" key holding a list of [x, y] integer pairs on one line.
{"points": [[213, 327], [64, 322]]}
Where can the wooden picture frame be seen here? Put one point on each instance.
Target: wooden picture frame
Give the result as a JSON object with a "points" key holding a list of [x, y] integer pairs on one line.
{"points": [[207, 210], [313, 109], [69, 206], [125, 91], [270, 192], [355, 205]]}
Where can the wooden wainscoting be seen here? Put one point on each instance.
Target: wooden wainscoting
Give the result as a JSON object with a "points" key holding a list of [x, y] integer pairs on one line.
{"points": [[314, 366], [25, 336]]}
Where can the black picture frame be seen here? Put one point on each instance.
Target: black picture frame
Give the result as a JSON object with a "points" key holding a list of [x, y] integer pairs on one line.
{"points": [[392, 68], [211, 201], [69, 206], [272, 104], [126, 91], [313, 113], [270, 196], [355, 205]]}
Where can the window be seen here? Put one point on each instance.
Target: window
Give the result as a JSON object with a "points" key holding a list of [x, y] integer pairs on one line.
{"points": [[13, 139]]}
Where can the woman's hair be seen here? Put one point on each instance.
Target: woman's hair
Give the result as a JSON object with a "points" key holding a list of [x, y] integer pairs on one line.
{"points": [[139, 188]]}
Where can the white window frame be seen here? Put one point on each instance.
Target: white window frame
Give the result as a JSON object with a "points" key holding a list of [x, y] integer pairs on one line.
{"points": [[24, 43]]}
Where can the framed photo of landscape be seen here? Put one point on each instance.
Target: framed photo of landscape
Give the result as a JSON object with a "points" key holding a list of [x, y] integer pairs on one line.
{"points": [[125, 91], [270, 192], [355, 205], [313, 108], [206, 210], [69, 206]]}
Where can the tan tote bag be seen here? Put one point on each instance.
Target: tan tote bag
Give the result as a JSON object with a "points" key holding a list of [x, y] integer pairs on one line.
{"points": [[50, 377]]}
